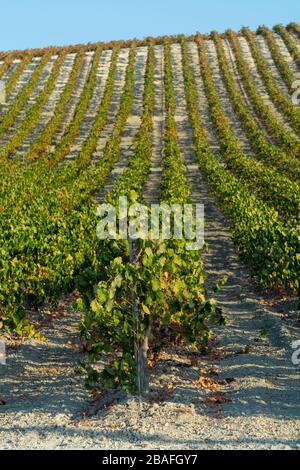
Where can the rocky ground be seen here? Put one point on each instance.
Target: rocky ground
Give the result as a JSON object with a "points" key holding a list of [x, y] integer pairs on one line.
{"points": [[243, 395]]}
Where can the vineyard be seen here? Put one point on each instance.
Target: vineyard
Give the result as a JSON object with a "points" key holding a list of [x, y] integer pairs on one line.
{"points": [[210, 120]]}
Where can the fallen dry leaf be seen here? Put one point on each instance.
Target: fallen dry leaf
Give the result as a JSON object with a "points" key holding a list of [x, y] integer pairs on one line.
{"points": [[169, 389], [205, 382], [184, 411], [217, 399], [151, 364]]}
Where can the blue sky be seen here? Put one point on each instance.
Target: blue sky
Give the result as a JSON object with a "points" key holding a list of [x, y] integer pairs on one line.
{"points": [[33, 23]]}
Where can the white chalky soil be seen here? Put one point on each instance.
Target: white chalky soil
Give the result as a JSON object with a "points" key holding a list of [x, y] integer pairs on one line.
{"points": [[245, 395]]}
